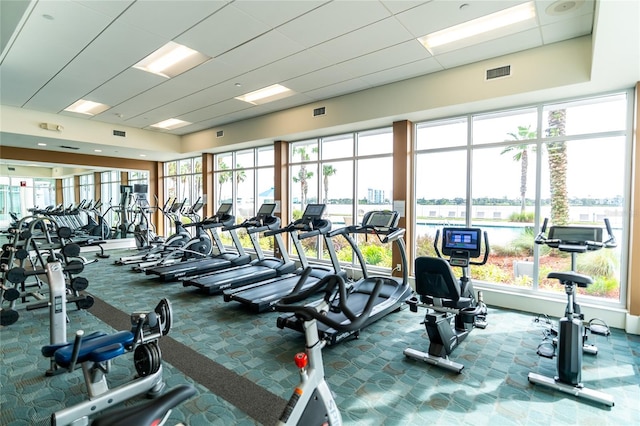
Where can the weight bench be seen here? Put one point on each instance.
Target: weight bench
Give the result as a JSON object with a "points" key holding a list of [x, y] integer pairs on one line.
{"points": [[94, 353]]}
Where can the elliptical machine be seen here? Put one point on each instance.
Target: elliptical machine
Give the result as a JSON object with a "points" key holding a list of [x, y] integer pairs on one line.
{"points": [[452, 308], [571, 334], [312, 401]]}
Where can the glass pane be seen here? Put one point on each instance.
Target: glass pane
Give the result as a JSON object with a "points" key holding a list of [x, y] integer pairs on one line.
{"points": [[503, 205], [441, 134], [197, 165], [224, 186], [587, 116], [304, 151], [375, 185], [244, 159], [170, 168], [304, 188], [184, 189], [244, 193], [185, 166], [266, 156], [374, 142], [337, 194], [584, 198], [337, 147], [223, 161], [266, 190], [437, 204], [506, 126]]}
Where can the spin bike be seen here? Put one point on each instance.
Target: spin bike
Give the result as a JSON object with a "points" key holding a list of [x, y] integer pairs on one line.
{"points": [[312, 402], [571, 341], [452, 308]]}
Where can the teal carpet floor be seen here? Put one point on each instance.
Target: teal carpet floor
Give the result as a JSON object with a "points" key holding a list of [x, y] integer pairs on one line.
{"points": [[243, 370]]}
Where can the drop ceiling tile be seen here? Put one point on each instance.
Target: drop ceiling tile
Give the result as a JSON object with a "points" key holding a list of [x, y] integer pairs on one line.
{"points": [[317, 79], [223, 31], [377, 36], [260, 51], [397, 6], [169, 19], [546, 15], [337, 89], [332, 20], [567, 29], [125, 85], [277, 12]]}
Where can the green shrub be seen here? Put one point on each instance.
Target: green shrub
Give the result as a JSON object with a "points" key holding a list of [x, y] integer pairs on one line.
{"points": [[601, 263], [522, 217], [376, 255]]}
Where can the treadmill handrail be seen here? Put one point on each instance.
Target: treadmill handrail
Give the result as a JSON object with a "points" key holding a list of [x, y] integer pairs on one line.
{"points": [[328, 284]]}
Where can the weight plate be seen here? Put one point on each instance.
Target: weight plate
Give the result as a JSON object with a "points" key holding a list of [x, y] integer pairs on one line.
{"points": [[11, 294], [21, 254], [25, 234], [64, 232], [8, 317], [74, 267], [79, 283], [142, 360], [16, 275], [71, 250], [85, 303], [164, 313]]}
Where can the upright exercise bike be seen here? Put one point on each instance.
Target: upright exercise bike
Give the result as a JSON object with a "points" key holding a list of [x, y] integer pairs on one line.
{"points": [[452, 307], [312, 402], [571, 334]]}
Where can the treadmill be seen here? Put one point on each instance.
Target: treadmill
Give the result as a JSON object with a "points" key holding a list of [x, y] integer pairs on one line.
{"points": [[262, 296], [261, 268], [395, 290], [224, 259]]}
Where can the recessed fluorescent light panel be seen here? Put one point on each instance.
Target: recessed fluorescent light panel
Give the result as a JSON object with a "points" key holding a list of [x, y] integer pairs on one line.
{"points": [[267, 94], [170, 124], [87, 107], [481, 29], [171, 60]]}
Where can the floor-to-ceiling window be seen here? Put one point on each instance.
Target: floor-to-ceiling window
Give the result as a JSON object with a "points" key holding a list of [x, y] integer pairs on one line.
{"points": [[507, 171], [352, 174], [68, 192], [20, 195], [111, 197], [245, 178], [183, 183]]}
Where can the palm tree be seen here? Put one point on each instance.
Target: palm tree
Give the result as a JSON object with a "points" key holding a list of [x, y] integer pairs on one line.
{"points": [[241, 176], [223, 177], [303, 175], [521, 155], [327, 171], [557, 157]]}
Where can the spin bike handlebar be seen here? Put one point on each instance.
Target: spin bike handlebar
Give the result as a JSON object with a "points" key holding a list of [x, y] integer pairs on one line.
{"points": [[328, 286], [590, 245]]}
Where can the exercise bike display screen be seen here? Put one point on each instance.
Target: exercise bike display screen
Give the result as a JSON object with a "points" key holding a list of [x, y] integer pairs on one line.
{"points": [[575, 234], [467, 239], [224, 208]]}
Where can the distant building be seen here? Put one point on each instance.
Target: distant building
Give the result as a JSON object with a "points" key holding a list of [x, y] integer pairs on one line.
{"points": [[375, 196]]}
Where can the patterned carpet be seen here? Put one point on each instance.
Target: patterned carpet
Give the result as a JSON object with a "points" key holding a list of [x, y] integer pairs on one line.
{"points": [[374, 383]]}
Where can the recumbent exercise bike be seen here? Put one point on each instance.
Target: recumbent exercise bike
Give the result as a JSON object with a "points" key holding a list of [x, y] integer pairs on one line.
{"points": [[452, 307], [571, 334]]}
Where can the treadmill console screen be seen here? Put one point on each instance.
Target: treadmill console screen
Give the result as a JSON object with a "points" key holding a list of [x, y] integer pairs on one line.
{"points": [[266, 210], [197, 206], [224, 208], [466, 239], [313, 211], [381, 219], [575, 234]]}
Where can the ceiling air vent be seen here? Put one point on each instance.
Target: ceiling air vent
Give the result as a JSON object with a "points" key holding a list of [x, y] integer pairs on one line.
{"points": [[499, 72], [319, 111], [219, 133], [69, 147], [120, 133]]}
